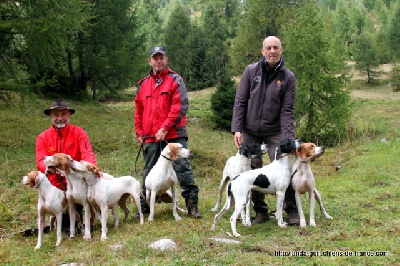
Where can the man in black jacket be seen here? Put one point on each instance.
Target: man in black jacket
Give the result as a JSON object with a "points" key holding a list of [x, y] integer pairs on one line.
{"points": [[264, 113]]}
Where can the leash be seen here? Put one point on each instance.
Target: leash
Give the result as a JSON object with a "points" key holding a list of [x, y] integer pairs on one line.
{"points": [[141, 150], [58, 175], [301, 161]]}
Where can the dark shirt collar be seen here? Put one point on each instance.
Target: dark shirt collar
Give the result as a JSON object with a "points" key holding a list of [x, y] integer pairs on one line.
{"points": [[264, 65]]}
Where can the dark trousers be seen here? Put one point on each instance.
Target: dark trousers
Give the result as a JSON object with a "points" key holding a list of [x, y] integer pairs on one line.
{"points": [[182, 167], [65, 217], [258, 198]]}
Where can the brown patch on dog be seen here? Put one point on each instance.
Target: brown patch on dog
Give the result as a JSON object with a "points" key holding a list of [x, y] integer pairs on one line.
{"points": [[174, 150], [63, 162], [94, 169], [32, 176], [306, 150]]}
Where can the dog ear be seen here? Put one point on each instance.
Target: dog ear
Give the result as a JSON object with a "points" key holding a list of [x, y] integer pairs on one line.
{"points": [[95, 170], [32, 175], [98, 172], [65, 165], [302, 152], [174, 151]]}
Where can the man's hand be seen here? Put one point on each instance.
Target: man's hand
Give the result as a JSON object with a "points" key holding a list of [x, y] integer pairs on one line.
{"points": [[161, 133], [238, 139]]}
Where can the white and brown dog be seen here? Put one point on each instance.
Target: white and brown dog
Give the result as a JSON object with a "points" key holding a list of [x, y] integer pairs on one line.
{"points": [[51, 201], [238, 164], [106, 193], [162, 177], [273, 178], [76, 190], [303, 180]]}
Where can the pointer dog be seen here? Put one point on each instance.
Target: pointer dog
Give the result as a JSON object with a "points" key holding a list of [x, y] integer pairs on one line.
{"points": [[162, 177], [76, 190], [303, 180], [238, 164], [51, 201], [273, 178], [104, 194]]}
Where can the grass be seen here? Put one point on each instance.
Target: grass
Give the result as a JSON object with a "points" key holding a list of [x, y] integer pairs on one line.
{"points": [[363, 196]]}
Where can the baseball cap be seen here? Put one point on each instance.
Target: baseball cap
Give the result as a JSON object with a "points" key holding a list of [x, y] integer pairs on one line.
{"points": [[59, 104], [157, 50]]}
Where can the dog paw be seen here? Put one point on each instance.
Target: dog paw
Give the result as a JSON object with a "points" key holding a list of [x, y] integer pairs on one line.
{"points": [[303, 224], [283, 224], [214, 209], [87, 237], [177, 217], [236, 234], [328, 217], [247, 223]]}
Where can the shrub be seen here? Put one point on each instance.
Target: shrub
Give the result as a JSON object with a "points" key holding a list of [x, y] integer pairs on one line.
{"points": [[222, 103]]}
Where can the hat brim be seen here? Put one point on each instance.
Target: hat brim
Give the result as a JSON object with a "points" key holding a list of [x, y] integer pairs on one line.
{"points": [[158, 52], [47, 111]]}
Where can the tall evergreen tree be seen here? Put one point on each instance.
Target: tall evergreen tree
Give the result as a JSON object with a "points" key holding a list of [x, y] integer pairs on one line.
{"points": [[364, 52], [107, 49], [322, 102], [212, 21], [394, 32], [150, 31], [197, 77], [259, 19], [222, 102], [43, 33], [177, 41]]}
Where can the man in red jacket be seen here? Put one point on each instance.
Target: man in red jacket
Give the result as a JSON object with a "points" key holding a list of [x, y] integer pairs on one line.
{"points": [[62, 137], [161, 104]]}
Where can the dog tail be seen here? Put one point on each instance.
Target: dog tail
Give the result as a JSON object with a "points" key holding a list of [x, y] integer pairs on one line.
{"points": [[229, 197]]}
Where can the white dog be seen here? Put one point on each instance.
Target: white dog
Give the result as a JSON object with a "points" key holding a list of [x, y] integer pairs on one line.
{"points": [[162, 177], [76, 190], [273, 178], [51, 201], [104, 194], [238, 164], [303, 180]]}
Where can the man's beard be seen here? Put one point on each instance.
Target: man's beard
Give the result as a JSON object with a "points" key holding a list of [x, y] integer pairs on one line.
{"points": [[60, 124]]}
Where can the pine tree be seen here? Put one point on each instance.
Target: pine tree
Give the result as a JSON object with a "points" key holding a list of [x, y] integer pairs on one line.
{"points": [[177, 42], [222, 102], [322, 101]]}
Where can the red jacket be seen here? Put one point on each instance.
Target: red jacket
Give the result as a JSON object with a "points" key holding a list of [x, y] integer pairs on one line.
{"points": [[71, 140], [161, 102]]}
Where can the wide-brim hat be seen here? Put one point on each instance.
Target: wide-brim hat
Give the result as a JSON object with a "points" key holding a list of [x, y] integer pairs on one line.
{"points": [[60, 104]]}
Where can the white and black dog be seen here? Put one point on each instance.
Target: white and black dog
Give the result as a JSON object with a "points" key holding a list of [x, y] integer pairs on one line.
{"points": [[238, 164], [273, 178]]}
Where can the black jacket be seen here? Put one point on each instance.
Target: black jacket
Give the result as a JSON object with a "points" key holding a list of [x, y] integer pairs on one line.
{"points": [[265, 102]]}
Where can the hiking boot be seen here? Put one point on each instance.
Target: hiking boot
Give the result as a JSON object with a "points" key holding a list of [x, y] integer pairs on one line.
{"points": [[292, 218], [144, 210], [261, 217], [164, 198], [193, 211]]}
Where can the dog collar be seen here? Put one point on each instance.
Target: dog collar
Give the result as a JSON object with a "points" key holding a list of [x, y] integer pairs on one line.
{"points": [[169, 159], [38, 184]]}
